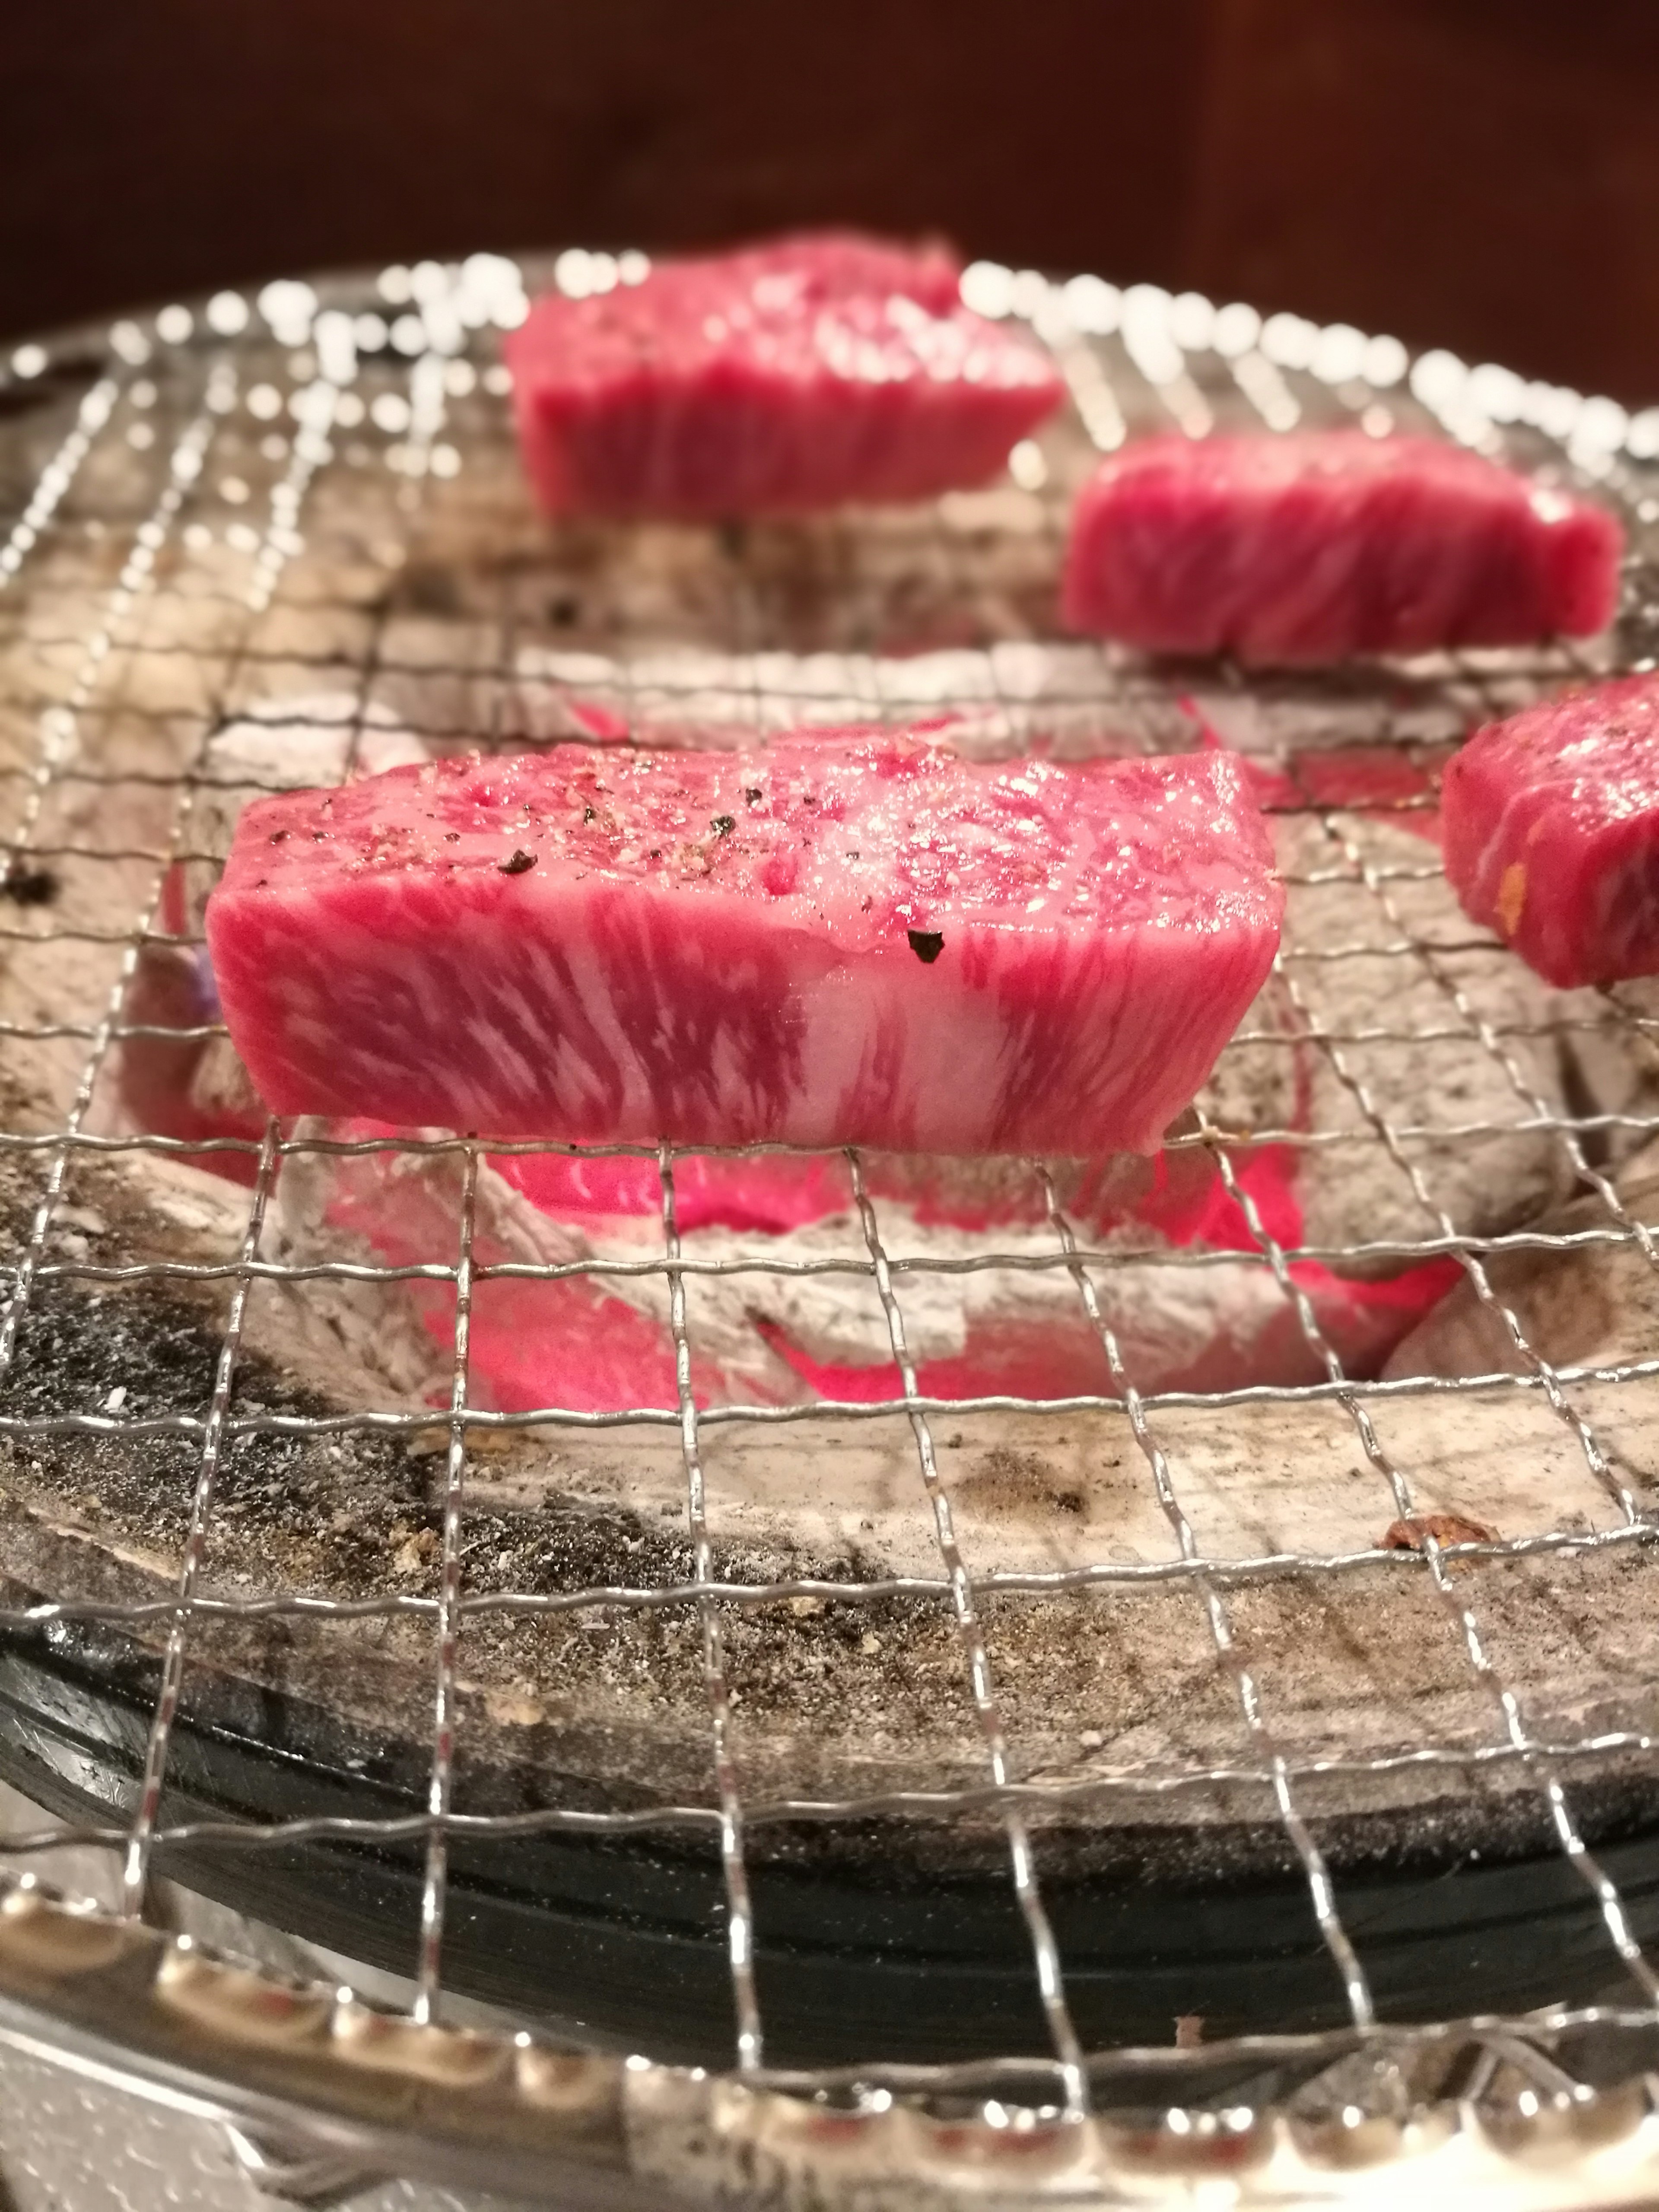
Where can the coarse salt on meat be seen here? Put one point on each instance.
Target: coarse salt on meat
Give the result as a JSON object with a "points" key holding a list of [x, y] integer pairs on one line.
{"points": [[799, 375], [1551, 828], [1325, 543], [851, 939]]}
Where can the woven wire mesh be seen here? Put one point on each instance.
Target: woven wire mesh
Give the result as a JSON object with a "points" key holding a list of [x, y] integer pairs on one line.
{"points": [[188, 474]]}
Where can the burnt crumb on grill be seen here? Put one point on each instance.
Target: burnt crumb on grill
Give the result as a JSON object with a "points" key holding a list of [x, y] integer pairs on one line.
{"points": [[29, 887], [925, 944], [1412, 1535], [517, 863]]}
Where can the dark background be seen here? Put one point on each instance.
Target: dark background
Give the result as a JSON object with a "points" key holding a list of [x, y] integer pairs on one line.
{"points": [[1481, 173]]}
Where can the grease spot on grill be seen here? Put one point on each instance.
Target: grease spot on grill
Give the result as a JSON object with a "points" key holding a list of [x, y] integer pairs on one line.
{"points": [[927, 943], [518, 862]]}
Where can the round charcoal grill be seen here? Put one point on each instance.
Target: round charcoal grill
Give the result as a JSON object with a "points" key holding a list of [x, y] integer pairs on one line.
{"points": [[1030, 1686]]}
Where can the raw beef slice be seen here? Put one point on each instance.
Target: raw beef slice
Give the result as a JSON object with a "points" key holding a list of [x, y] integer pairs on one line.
{"points": [[1551, 828], [1325, 543], [859, 939], [794, 376]]}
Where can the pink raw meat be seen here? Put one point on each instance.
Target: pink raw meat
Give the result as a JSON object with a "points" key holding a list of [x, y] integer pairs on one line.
{"points": [[1551, 826], [796, 375], [858, 939], [1328, 543]]}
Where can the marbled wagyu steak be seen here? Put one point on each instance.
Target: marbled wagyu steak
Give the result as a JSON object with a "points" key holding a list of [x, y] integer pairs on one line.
{"points": [[1551, 826], [794, 376], [854, 938], [1326, 543]]}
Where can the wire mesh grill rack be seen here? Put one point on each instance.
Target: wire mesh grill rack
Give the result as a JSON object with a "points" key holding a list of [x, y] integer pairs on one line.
{"points": [[279, 514]]}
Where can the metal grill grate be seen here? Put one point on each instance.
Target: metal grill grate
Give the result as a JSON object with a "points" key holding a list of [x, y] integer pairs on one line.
{"points": [[189, 482]]}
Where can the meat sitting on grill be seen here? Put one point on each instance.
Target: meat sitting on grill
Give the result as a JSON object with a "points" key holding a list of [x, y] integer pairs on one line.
{"points": [[1327, 544], [860, 940], [1551, 832], [799, 375]]}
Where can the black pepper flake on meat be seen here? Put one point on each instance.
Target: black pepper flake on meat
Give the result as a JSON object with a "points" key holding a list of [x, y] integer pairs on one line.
{"points": [[589, 815], [451, 837], [753, 794], [28, 886], [278, 835], [927, 943], [518, 863], [723, 824]]}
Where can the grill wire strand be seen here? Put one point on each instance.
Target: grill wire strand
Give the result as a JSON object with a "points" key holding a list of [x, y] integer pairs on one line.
{"points": [[1114, 384], [740, 1915], [1044, 1948], [441, 1787]]}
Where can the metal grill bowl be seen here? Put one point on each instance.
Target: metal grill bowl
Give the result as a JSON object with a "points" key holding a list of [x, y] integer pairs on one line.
{"points": [[1081, 1777]]}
